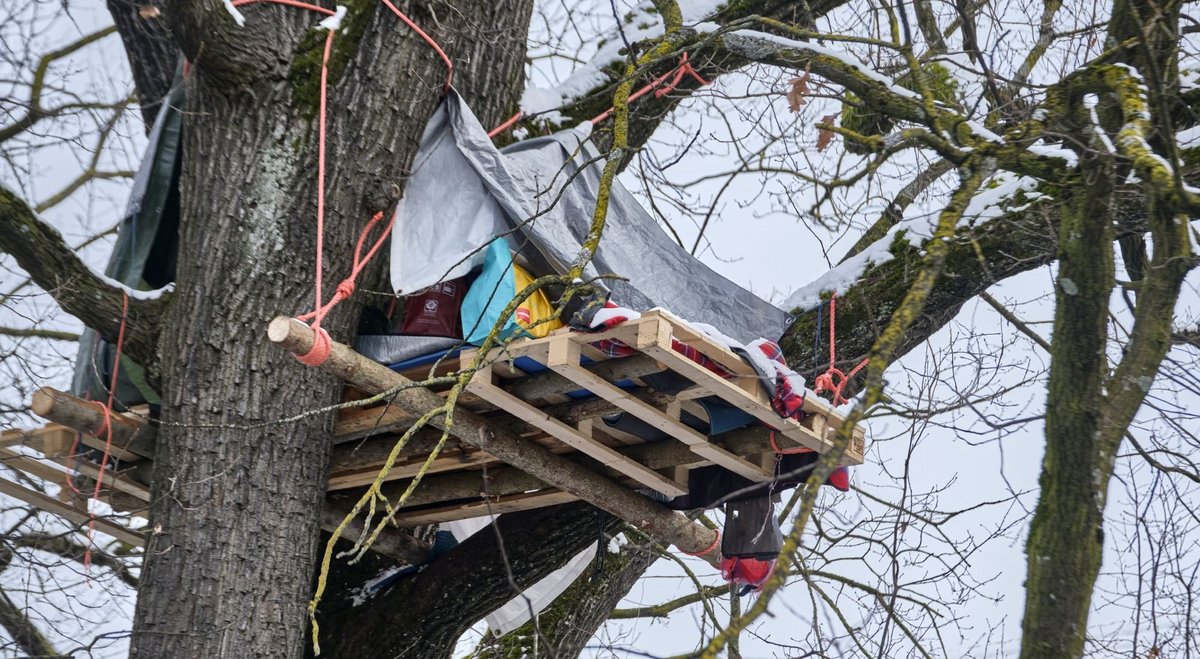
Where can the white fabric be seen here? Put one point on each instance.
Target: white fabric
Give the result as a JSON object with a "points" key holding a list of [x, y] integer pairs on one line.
{"points": [[538, 596]]}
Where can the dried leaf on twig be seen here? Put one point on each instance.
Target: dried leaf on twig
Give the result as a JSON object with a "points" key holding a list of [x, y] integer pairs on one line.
{"points": [[825, 136]]}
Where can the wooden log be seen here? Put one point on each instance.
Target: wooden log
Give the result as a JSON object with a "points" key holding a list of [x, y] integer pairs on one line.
{"points": [[132, 438], [557, 471]]}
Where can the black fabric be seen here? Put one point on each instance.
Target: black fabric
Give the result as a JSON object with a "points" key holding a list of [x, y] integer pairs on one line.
{"points": [[710, 486], [144, 255], [751, 530]]}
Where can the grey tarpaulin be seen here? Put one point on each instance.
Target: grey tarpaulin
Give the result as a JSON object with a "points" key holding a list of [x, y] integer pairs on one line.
{"points": [[541, 194]]}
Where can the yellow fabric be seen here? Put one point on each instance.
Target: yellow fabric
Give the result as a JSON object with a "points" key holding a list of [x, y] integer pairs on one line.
{"points": [[535, 308]]}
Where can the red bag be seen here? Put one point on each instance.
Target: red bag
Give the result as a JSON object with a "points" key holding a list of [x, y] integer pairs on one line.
{"points": [[436, 310]]}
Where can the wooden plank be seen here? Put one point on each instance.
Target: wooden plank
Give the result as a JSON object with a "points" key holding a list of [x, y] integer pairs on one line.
{"points": [[112, 480], [450, 460], [564, 359], [482, 386], [662, 351], [31, 466], [481, 508], [70, 513], [656, 520], [705, 344], [56, 476]]}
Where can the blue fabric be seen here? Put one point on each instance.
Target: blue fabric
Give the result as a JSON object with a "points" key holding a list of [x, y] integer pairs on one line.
{"points": [[491, 291], [423, 359]]}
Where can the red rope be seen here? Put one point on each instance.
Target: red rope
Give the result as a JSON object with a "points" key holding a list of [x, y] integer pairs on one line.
{"points": [[429, 40], [684, 68], [106, 429], [833, 379], [506, 125], [321, 341], [715, 542]]}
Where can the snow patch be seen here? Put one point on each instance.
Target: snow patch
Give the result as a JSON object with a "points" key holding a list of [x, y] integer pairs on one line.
{"points": [[133, 292], [842, 276], [365, 592], [332, 23], [233, 11]]}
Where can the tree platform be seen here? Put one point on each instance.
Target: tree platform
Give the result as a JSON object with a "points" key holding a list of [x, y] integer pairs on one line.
{"points": [[538, 401]]}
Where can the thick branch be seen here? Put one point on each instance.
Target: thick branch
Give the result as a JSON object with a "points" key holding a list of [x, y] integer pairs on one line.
{"points": [[24, 633], [40, 250], [151, 53]]}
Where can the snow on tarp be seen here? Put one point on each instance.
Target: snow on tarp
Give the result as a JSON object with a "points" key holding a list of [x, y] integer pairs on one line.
{"points": [[540, 194]]}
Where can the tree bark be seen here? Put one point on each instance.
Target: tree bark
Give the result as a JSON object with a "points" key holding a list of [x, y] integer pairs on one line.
{"points": [[238, 495], [1066, 536], [425, 614]]}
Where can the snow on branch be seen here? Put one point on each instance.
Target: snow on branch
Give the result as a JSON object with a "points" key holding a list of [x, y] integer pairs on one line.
{"points": [[93, 298]]}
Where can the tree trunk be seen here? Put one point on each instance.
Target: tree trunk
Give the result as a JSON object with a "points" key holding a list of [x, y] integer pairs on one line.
{"points": [[237, 494], [1066, 536]]}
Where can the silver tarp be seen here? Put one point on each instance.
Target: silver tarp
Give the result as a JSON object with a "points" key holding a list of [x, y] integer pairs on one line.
{"points": [[540, 194]]}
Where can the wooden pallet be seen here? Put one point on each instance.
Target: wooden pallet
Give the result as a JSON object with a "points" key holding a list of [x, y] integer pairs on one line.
{"points": [[465, 481]]}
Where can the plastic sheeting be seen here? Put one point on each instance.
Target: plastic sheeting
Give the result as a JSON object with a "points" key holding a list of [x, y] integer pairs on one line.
{"points": [[540, 194], [144, 254]]}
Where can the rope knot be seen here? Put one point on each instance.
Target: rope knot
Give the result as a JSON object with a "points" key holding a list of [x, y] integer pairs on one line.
{"points": [[684, 69], [345, 289]]}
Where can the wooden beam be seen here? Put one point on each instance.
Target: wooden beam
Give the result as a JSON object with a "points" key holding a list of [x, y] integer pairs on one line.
{"points": [[752, 443], [654, 340], [564, 359], [507, 503], [70, 513], [482, 386], [557, 471]]}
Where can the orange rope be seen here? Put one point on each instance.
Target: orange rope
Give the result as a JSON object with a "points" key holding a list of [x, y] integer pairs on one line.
{"points": [[833, 379], [106, 429], [321, 341], [429, 40], [684, 68], [786, 451]]}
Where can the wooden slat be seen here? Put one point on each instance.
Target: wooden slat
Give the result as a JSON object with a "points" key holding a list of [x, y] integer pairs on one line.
{"points": [[564, 359], [70, 513], [58, 476], [480, 508], [482, 386], [729, 361], [31, 466], [450, 460], [661, 350]]}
